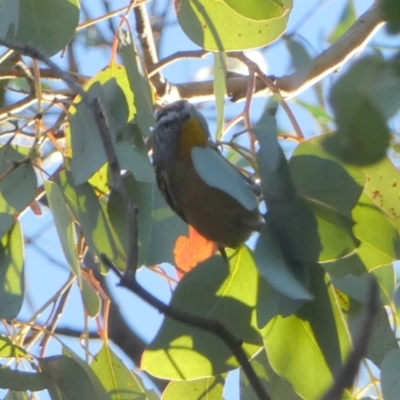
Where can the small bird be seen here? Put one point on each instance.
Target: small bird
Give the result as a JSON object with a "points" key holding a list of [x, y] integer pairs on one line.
{"points": [[214, 213]]}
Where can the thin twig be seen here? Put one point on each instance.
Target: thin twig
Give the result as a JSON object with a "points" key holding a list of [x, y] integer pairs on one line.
{"points": [[349, 371], [330, 60], [179, 55]]}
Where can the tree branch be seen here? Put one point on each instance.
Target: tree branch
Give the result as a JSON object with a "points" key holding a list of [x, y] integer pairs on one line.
{"points": [[146, 39], [346, 47]]}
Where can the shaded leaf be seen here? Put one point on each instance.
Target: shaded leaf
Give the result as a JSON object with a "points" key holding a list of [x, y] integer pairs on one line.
{"points": [[216, 172], [12, 272], [275, 269], [362, 99], [86, 209], [46, 24], [22, 381], [70, 380], [391, 13], [390, 375], [276, 181], [275, 385], [64, 225], [9, 18]]}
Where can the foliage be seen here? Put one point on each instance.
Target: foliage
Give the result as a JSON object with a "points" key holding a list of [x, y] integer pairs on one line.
{"points": [[292, 296]]}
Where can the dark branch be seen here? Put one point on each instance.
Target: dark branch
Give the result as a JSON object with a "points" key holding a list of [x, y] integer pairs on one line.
{"points": [[349, 371]]}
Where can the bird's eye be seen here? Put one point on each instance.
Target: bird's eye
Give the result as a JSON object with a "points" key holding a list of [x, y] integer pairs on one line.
{"points": [[171, 125]]}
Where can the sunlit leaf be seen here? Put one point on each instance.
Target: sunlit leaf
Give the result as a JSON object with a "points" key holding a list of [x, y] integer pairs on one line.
{"points": [[314, 339], [218, 291], [206, 388], [117, 379], [214, 26]]}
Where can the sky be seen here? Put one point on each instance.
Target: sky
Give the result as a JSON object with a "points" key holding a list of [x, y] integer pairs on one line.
{"points": [[46, 267]]}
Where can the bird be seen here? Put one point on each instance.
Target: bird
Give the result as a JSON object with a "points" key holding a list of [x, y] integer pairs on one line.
{"points": [[214, 213]]}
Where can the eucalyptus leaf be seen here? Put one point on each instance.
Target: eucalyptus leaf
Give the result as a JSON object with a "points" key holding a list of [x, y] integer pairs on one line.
{"points": [[12, 278], [275, 269], [215, 26], [218, 173], [47, 24]]}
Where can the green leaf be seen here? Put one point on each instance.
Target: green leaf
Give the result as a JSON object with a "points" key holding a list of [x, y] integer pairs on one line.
{"points": [[271, 303], [87, 151], [70, 380], [47, 24], [118, 381], [22, 381], [216, 171], [64, 225], [275, 269], [390, 379], [382, 338], [90, 298], [166, 227], [8, 349], [361, 111], [214, 26], [307, 348], [346, 20], [276, 386], [383, 188], [158, 226], [18, 185], [15, 395], [12, 272], [86, 209], [9, 18], [357, 287], [276, 182], [207, 388], [302, 62], [363, 136], [384, 237], [138, 83], [258, 9], [132, 154], [325, 182], [66, 233], [296, 228], [336, 233], [214, 290]]}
